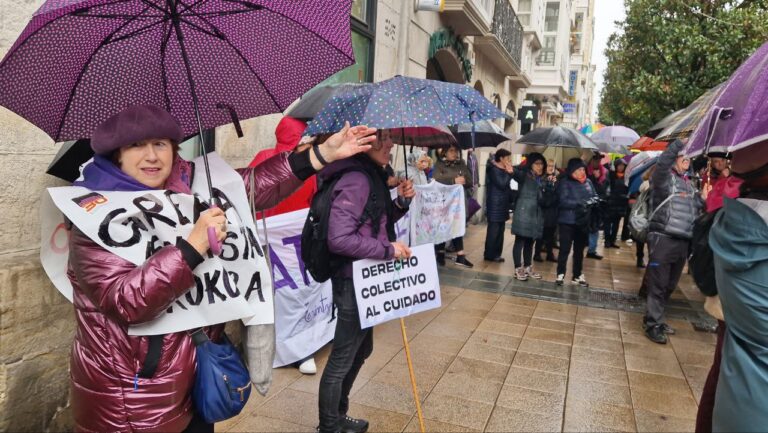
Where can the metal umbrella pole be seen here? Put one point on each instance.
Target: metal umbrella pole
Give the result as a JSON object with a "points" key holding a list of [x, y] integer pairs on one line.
{"points": [[212, 239]]}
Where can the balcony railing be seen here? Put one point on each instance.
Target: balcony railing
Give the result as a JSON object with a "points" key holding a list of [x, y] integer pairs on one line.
{"points": [[506, 26]]}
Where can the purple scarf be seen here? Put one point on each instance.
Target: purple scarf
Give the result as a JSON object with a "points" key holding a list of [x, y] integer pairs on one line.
{"points": [[103, 175]]}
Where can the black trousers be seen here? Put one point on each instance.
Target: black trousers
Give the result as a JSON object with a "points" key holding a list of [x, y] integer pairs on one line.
{"points": [[351, 347], [611, 229], [458, 244], [198, 425], [667, 259], [547, 241], [522, 251], [572, 236], [494, 240]]}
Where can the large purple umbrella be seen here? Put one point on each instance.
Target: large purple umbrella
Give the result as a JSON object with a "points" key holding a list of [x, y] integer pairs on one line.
{"points": [[80, 61], [739, 116]]}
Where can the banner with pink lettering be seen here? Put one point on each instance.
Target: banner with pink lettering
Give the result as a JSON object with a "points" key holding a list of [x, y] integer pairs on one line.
{"points": [[303, 319]]}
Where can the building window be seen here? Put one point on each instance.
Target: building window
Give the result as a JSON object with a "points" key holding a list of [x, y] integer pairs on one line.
{"points": [[578, 28], [547, 53], [524, 12], [363, 33], [552, 17]]}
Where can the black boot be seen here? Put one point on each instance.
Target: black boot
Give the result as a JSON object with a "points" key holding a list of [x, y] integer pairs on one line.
{"points": [[348, 424], [440, 256], [640, 263]]}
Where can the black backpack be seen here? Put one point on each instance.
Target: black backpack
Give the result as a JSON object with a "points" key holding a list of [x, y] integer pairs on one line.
{"points": [[318, 260]]}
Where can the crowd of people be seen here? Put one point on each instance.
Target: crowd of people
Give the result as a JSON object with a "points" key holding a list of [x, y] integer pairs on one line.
{"points": [[551, 209]]}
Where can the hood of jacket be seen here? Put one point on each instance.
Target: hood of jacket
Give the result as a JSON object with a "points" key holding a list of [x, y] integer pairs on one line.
{"points": [[740, 234], [288, 134]]}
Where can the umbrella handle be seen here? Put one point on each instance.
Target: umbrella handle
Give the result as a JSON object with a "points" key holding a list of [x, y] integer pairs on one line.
{"points": [[213, 241]]}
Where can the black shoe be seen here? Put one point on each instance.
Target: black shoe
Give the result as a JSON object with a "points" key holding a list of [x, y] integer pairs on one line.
{"points": [[440, 256], [552, 258], [613, 246], [348, 424], [462, 261], [668, 330], [537, 258], [656, 334], [640, 264], [496, 260], [594, 256]]}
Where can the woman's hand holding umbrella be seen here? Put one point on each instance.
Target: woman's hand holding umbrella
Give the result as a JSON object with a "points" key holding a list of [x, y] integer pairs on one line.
{"points": [[213, 220], [348, 142]]}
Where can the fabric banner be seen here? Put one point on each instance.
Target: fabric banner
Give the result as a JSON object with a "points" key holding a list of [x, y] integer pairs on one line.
{"points": [[437, 213], [303, 319], [134, 225], [390, 289]]}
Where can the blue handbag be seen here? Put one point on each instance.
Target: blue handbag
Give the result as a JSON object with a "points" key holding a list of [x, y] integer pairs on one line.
{"points": [[222, 383]]}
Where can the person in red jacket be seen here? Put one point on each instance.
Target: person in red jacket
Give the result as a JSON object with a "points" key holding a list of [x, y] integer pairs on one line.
{"points": [[288, 134]]}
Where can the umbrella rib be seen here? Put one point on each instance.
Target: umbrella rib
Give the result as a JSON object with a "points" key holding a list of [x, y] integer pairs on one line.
{"points": [[245, 61], [163, 70], [138, 31], [44, 26], [85, 67]]}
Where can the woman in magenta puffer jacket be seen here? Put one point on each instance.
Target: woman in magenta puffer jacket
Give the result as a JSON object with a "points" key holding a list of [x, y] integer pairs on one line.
{"points": [[137, 150]]}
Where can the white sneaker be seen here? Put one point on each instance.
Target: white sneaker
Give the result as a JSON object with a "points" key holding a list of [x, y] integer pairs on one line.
{"points": [[560, 279], [308, 366], [580, 280], [629, 242], [530, 272]]}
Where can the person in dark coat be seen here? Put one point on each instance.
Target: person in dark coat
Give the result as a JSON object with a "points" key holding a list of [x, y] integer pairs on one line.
{"points": [[597, 174], [450, 169], [617, 196], [497, 177], [528, 221], [676, 205], [575, 191], [549, 204]]}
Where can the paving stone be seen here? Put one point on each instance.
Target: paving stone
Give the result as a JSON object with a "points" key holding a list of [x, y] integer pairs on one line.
{"points": [[502, 328], [583, 415], [597, 372], [583, 389], [663, 367], [511, 420], [604, 344], [588, 354], [536, 380], [435, 426], [653, 422], [553, 325], [255, 423], [458, 411], [483, 370], [659, 383], [665, 403], [548, 335], [541, 363], [388, 397], [487, 352], [292, 406], [530, 400], [548, 348], [379, 420], [471, 388]]}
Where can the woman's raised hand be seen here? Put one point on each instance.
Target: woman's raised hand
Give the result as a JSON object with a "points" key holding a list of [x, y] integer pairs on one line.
{"points": [[198, 238], [350, 141]]}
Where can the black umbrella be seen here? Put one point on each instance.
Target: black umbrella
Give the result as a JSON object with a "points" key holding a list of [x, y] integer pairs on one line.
{"points": [[558, 143], [656, 129], [313, 101], [487, 134]]}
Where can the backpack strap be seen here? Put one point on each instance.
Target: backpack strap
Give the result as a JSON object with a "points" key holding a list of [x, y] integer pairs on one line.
{"points": [[153, 356], [650, 217]]}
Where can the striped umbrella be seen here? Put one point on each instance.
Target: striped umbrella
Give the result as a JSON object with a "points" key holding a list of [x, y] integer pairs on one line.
{"points": [[591, 128], [689, 119]]}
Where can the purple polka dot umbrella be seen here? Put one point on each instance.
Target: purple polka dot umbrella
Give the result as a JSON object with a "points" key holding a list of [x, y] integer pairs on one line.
{"points": [[205, 61]]}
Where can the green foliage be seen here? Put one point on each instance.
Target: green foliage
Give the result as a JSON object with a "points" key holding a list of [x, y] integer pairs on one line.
{"points": [[668, 52]]}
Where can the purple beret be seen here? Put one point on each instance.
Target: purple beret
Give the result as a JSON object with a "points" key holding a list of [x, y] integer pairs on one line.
{"points": [[135, 123]]}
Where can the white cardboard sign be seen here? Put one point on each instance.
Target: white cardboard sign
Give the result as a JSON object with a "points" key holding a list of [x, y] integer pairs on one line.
{"points": [[133, 225], [390, 289]]}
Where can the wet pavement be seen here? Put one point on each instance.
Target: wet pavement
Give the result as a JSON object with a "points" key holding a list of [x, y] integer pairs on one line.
{"points": [[504, 355]]}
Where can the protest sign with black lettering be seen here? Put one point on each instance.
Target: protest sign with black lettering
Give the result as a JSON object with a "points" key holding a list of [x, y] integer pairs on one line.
{"points": [[390, 289], [134, 225], [303, 319]]}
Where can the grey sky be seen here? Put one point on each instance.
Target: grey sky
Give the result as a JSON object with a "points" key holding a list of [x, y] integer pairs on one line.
{"points": [[607, 12]]}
